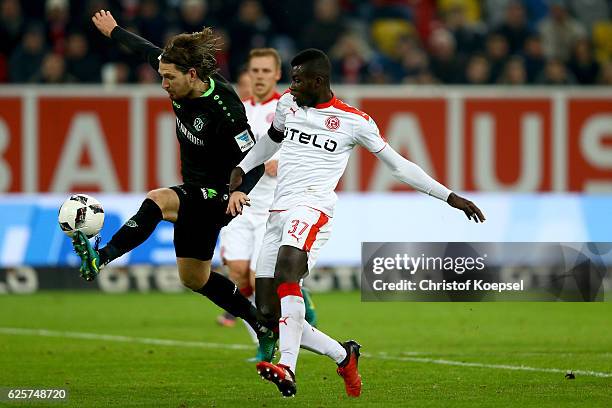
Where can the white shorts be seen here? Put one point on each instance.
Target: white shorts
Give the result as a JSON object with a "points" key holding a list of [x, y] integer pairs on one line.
{"points": [[241, 239], [300, 227]]}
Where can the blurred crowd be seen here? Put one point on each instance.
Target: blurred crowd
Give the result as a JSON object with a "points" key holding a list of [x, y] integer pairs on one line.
{"points": [[512, 42]]}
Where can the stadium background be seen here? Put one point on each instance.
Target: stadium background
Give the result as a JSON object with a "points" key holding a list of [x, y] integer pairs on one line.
{"points": [[508, 101]]}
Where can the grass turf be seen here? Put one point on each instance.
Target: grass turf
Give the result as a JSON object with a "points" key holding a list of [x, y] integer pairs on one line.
{"points": [[99, 372]]}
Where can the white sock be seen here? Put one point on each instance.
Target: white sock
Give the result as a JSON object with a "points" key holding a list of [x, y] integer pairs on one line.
{"points": [[291, 323], [251, 332], [315, 340]]}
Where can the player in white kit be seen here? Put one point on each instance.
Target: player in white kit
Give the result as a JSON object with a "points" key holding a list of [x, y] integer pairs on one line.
{"points": [[241, 238], [315, 133]]}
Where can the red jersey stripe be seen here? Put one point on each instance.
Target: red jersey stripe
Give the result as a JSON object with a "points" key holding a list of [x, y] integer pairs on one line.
{"points": [[339, 104]]}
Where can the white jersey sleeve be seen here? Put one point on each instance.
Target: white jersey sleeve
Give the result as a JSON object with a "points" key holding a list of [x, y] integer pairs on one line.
{"points": [[408, 172], [367, 135], [283, 106], [263, 151]]}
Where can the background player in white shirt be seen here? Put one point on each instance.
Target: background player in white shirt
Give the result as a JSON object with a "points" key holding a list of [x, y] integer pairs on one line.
{"points": [[241, 238], [315, 133]]}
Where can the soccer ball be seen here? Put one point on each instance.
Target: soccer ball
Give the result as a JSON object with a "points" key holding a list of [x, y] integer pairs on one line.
{"points": [[81, 212]]}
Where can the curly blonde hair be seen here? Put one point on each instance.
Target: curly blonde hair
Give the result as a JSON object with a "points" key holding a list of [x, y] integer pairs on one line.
{"points": [[193, 50]]}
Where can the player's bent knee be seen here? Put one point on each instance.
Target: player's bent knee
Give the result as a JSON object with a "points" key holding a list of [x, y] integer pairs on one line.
{"points": [[193, 282], [168, 202], [193, 273]]}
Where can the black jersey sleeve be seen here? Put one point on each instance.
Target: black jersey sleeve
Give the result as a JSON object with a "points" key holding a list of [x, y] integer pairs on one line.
{"points": [[137, 44], [250, 179]]}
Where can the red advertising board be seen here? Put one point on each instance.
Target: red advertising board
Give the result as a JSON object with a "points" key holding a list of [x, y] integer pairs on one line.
{"points": [[83, 144], [11, 145], [469, 140], [507, 144], [163, 166], [414, 127], [590, 144]]}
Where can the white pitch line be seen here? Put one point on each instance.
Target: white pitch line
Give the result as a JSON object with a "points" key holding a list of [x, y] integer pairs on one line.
{"points": [[496, 366], [228, 346], [122, 339]]}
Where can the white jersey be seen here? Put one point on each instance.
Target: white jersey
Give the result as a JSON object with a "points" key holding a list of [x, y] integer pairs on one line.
{"points": [[260, 116], [315, 150]]}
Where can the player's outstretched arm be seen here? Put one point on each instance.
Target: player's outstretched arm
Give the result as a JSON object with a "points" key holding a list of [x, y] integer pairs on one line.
{"points": [[469, 208], [106, 24], [411, 174]]}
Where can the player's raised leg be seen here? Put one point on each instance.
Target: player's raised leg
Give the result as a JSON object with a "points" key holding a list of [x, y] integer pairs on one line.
{"points": [[160, 204]]}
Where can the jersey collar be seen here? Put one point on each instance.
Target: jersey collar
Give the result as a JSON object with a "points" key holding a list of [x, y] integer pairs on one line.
{"points": [[274, 96], [211, 88], [326, 104]]}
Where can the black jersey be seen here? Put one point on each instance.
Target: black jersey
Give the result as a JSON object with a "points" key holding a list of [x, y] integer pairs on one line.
{"points": [[212, 130], [213, 133]]}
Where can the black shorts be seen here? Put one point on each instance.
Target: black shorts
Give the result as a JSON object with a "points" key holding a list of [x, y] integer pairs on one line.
{"points": [[201, 216]]}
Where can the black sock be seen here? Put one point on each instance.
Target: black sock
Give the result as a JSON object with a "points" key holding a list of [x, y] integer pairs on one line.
{"points": [[225, 294], [133, 233]]}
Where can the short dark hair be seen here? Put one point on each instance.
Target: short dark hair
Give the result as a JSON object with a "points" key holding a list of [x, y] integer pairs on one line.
{"points": [[195, 50], [316, 61]]}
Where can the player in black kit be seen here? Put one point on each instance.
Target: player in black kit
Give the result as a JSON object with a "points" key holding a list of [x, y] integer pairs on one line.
{"points": [[213, 133]]}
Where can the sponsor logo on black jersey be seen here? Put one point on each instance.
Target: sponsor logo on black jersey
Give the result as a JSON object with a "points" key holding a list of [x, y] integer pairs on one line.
{"points": [[182, 129]]}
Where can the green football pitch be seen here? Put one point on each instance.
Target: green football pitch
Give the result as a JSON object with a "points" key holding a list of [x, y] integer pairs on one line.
{"points": [[165, 350]]}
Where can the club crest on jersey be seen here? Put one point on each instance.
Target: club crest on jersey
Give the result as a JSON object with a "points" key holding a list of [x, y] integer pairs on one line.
{"points": [[332, 123], [198, 124]]}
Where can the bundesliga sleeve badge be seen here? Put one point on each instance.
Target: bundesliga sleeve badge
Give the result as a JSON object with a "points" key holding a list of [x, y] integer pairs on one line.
{"points": [[244, 140]]}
